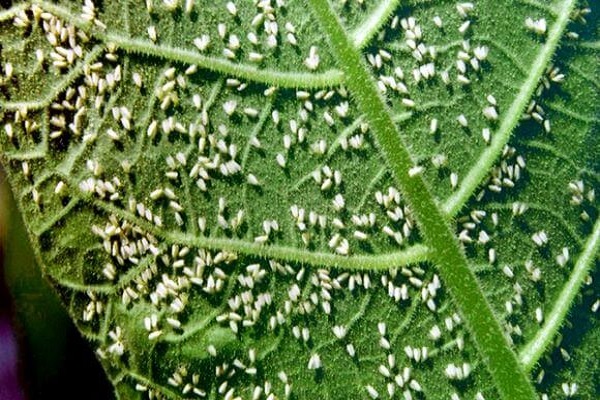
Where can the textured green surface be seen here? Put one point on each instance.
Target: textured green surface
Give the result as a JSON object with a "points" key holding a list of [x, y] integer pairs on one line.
{"points": [[188, 195]]}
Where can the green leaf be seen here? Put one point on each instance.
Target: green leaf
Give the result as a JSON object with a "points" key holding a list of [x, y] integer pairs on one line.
{"points": [[313, 199]]}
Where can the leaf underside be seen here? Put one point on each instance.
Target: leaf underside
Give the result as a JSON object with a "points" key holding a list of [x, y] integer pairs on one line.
{"points": [[217, 204]]}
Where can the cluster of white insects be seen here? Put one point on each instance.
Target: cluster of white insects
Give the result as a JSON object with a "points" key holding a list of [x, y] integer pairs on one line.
{"points": [[168, 277]]}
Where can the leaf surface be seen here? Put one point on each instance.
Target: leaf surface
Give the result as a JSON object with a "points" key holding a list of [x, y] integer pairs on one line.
{"points": [[313, 199]]}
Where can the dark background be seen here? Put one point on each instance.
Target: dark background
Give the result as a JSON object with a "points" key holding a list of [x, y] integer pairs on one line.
{"points": [[42, 356]]}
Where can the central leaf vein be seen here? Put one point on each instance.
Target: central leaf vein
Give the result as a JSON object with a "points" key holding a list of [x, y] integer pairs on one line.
{"points": [[502, 363]]}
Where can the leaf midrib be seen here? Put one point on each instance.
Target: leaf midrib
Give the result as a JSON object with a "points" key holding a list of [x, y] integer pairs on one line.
{"points": [[452, 264]]}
